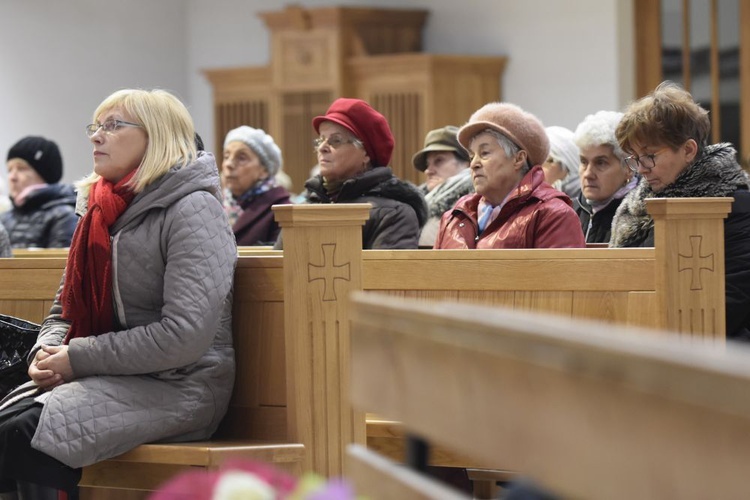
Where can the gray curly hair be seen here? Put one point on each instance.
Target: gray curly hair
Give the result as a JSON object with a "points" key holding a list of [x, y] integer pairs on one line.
{"points": [[598, 130]]}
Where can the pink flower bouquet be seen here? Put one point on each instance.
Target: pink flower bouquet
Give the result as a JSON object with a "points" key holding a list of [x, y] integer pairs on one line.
{"points": [[248, 480]]}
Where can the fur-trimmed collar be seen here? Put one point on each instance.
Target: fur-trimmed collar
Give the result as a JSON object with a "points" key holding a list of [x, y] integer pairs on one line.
{"points": [[716, 173], [444, 197]]}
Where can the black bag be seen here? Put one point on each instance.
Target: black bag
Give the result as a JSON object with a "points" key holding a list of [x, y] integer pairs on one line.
{"points": [[17, 337]]}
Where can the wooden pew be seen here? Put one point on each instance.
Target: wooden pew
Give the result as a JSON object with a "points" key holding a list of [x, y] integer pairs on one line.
{"points": [[46, 253], [677, 285], [291, 314], [588, 410], [40, 253], [27, 287]]}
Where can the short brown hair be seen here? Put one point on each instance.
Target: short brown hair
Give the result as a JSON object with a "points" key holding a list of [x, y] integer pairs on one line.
{"points": [[668, 116]]}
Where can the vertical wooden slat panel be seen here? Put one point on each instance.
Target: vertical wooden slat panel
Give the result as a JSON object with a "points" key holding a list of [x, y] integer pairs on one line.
{"points": [[744, 79], [686, 47], [648, 45], [715, 97], [229, 115], [299, 110], [403, 111]]}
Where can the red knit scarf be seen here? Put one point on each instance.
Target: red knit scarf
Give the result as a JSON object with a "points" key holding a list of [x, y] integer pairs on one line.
{"points": [[87, 292]]}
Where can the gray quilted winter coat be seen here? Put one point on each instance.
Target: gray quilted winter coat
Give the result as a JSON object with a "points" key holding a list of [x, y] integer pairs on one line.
{"points": [[166, 373]]}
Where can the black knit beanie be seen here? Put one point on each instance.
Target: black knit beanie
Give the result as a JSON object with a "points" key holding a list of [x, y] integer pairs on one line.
{"points": [[42, 154]]}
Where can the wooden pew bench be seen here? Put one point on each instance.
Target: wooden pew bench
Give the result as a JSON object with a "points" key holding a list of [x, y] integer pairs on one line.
{"points": [[143, 469], [40, 253], [47, 253], [587, 410], [291, 309], [27, 286]]}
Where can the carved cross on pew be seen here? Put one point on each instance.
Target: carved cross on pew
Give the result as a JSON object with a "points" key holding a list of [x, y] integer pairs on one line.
{"points": [[695, 262], [329, 272]]}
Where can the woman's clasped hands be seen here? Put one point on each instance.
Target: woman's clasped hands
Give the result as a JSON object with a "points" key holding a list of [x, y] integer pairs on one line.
{"points": [[51, 367]]}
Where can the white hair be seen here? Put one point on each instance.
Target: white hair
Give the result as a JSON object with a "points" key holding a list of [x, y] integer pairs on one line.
{"points": [[599, 130]]}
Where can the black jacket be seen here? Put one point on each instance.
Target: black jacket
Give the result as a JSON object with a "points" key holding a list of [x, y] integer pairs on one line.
{"points": [[716, 173], [398, 208], [597, 228], [46, 220]]}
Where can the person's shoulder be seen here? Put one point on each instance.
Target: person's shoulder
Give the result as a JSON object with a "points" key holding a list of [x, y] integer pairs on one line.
{"points": [[393, 192], [279, 195], [742, 199], [558, 206], [547, 194], [738, 220]]}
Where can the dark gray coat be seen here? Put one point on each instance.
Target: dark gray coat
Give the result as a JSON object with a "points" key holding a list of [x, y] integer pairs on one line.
{"points": [[47, 218], [166, 372]]}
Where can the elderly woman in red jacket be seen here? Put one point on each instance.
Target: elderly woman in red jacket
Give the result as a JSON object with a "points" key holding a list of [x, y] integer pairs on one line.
{"points": [[513, 206]]}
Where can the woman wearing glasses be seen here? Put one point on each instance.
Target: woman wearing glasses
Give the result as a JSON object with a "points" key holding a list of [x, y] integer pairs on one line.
{"points": [[666, 135], [605, 178], [137, 346], [248, 173], [354, 148]]}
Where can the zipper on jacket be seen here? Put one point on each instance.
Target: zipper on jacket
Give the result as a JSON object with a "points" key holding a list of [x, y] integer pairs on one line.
{"points": [[116, 297]]}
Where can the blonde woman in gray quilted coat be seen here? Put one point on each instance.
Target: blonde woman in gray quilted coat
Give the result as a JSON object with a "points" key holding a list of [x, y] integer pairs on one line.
{"points": [[137, 347]]}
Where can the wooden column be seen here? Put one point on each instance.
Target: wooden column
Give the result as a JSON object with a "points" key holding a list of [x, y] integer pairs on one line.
{"points": [[689, 243], [322, 265]]}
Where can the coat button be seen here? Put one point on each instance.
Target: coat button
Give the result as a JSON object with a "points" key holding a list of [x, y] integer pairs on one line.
{"points": [[461, 225]]}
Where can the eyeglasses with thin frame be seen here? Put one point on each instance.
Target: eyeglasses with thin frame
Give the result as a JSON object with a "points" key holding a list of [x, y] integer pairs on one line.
{"points": [[335, 141], [109, 126], [647, 161]]}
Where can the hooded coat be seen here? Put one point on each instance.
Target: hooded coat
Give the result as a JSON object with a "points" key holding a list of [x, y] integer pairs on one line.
{"points": [[398, 208], [166, 371], [715, 174], [47, 218], [535, 215]]}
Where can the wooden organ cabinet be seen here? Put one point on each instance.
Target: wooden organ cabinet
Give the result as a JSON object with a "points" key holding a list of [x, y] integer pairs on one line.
{"points": [[319, 54]]}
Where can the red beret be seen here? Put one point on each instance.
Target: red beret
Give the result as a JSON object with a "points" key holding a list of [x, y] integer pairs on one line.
{"points": [[365, 123]]}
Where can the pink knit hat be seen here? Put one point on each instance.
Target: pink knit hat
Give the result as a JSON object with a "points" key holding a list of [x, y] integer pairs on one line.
{"points": [[524, 129]]}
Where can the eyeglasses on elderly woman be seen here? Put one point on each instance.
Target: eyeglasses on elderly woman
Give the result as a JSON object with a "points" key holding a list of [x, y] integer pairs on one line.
{"points": [[109, 126], [335, 141], [645, 161]]}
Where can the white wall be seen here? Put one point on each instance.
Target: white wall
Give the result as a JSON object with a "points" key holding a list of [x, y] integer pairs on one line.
{"points": [[58, 60], [566, 59]]}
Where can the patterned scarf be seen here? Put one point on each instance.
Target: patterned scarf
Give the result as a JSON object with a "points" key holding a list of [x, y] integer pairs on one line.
{"points": [[234, 207], [87, 292]]}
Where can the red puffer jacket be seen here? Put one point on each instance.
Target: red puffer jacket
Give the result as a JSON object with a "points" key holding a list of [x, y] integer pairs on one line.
{"points": [[536, 215]]}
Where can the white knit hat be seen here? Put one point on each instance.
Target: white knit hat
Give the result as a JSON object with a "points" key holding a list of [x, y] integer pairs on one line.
{"points": [[262, 145], [563, 149]]}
